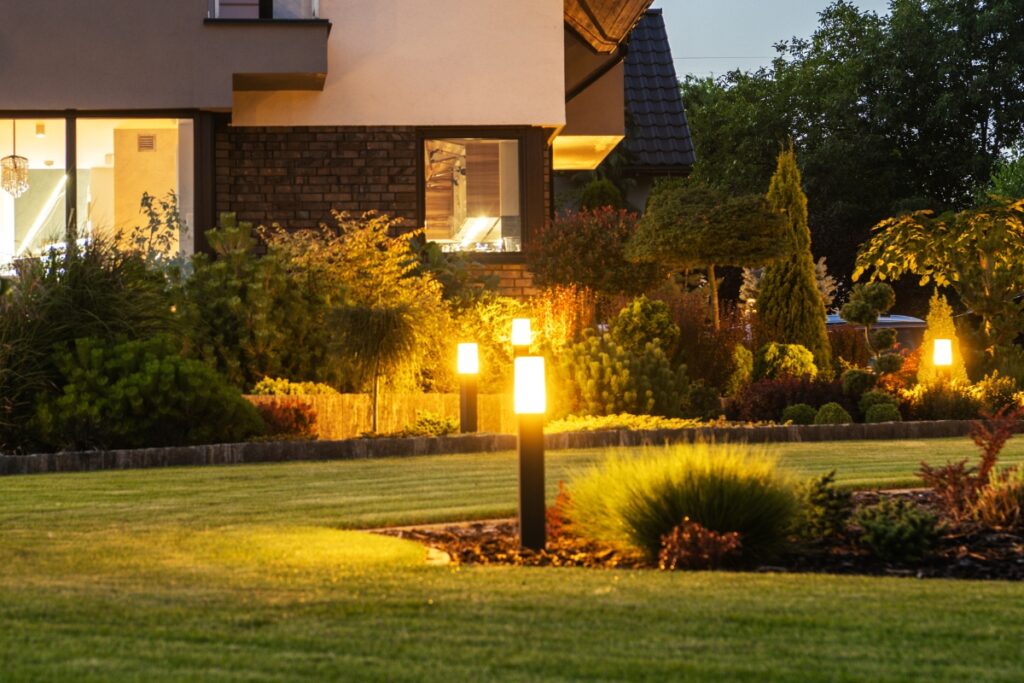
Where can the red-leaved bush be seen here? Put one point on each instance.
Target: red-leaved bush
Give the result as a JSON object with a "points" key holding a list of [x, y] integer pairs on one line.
{"points": [[765, 399], [288, 418], [957, 485], [691, 546]]}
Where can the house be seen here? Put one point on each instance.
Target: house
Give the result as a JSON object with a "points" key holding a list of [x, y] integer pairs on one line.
{"points": [[657, 142], [450, 114]]}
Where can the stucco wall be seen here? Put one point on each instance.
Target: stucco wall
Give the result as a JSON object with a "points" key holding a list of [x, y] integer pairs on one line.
{"points": [[429, 62]]}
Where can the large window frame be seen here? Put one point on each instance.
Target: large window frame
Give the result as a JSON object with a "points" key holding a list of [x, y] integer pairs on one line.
{"points": [[531, 162], [203, 177]]}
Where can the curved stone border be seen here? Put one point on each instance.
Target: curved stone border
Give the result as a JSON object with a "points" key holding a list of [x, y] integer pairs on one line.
{"points": [[355, 449]]}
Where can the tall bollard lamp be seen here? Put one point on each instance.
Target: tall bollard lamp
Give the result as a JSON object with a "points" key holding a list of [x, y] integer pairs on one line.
{"points": [[530, 405], [522, 336], [942, 357], [468, 369]]}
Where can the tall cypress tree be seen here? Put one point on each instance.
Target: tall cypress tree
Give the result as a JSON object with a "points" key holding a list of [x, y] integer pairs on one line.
{"points": [[789, 305]]}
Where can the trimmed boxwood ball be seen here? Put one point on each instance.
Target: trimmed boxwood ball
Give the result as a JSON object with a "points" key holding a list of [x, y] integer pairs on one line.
{"points": [[857, 381], [832, 414], [876, 397], [883, 412], [799, 414]]}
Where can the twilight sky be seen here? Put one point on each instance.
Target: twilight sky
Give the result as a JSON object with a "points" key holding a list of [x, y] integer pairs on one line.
{"points": [[710, 37]]}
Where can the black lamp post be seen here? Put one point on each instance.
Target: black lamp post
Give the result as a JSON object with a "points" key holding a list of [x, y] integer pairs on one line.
{"points": [[530, 405], [469, 370]]}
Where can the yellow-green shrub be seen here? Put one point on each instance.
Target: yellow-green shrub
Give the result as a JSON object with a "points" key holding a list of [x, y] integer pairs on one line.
{"points": [[631, 500]]}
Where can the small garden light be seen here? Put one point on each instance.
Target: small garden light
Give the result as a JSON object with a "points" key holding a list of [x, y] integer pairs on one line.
{"points": [[468, 369], [530, 402], [522, 335], [943, 357]]}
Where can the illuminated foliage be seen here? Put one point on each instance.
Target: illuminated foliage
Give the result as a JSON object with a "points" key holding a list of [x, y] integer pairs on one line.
{"points": [[940, 326], [978, 252]]}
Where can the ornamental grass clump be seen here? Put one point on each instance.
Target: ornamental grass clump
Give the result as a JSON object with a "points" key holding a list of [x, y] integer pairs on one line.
{"points": [[631, 501]]}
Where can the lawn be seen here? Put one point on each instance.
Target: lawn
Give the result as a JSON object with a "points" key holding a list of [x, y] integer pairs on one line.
{"points": [[247, 573]]}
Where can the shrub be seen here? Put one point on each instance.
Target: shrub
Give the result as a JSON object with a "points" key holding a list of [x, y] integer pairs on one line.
{"points": [[708, 353], [765, 400], [1000, 504], [702, 402], [824, 510], [428, 424], [604, 378], [832, 414], [856, 381], [643, 322], [849, 347], [743, 370], [598, 194], [563, 313], [282, 387], [883, 412], [293, 419], [940, 326], [596, 423], [942, 401], [142, 394], [799, 414], [898, 531], [691, 546], [488, 322], [876, 397], [783, 360], [633, 500], [996, 391], [956, 485], [587, 249]]}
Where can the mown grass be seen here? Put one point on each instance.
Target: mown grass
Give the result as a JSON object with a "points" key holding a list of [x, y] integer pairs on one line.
{"points": [[246, 573]]}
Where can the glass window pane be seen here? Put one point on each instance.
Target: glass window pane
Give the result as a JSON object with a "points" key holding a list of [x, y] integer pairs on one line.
{"points": [[34, 220], [472, 197], [120, 161]]}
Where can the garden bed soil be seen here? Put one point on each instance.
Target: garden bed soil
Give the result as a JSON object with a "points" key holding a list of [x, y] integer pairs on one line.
{"points": [[960, 554]]}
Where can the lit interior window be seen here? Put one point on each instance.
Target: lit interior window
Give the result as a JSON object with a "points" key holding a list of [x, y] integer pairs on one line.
{"points": [[472, 194]]}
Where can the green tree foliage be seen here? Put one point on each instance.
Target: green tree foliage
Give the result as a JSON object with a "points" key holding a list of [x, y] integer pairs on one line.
{"points": [[940, 326], [694, 225], [790, 307], [644, 321], [774, 361], [587, 249], [979, 253], [905, 111], [600, 193]]}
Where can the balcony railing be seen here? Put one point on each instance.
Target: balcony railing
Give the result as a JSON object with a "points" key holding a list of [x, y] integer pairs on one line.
{"points": [[264, 9]]}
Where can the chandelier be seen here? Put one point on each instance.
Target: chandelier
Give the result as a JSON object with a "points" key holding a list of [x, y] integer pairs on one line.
{"points": [[14, 170]]}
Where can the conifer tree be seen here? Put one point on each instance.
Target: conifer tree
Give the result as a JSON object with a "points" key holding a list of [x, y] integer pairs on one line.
{"points": [[789, 305], [940, 326]]}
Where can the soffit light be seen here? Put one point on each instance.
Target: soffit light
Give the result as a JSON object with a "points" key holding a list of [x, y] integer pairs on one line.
{"points": [[14, 169]]}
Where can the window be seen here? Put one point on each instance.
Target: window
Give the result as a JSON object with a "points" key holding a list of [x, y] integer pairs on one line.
{"points": [[472, 196], [34, 219], [120, 161]]}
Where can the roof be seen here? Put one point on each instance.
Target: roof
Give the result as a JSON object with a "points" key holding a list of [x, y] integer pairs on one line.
{"points": [[604, 23], [658, 134], [895, 321]]}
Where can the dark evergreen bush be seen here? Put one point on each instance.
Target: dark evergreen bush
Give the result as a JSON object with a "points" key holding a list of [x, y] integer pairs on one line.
{"points": [[765, 400], [799, 414], [883, 412], [898, 531], [832, 414]]}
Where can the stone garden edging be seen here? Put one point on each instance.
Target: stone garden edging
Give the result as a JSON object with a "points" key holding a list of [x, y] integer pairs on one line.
{"points": [[356, 449]]}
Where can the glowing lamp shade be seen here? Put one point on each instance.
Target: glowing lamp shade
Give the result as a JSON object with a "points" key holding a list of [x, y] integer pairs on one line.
{"points": [[943, 357], [530, 389], [521, 334], [469, 359]]}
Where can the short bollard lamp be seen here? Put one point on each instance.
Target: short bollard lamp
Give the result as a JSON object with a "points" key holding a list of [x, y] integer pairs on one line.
{"points": [[942, 357], [530, 405], [522, 336], [468, 368]]}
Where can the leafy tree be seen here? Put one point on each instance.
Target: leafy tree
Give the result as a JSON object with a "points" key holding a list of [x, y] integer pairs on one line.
{"points": [[600, 193], [1007, 181], [790, 307], [979, 253], [940, 326], [869, 150], [587, 249], [694, 225]]}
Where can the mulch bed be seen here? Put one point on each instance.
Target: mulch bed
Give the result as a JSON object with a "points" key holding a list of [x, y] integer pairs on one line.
{"points": [[961, 553]]}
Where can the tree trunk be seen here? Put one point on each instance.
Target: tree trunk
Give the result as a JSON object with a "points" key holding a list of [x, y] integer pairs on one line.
{"points": [[714, 296], [376, 393]]}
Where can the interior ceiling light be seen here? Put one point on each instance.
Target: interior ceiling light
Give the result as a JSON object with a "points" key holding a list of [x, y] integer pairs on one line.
{"points": [[40, 130], [14, 169]]}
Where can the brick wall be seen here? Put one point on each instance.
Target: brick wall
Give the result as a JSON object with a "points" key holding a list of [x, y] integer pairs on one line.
{"points": [[513, 279], [297, 176]]}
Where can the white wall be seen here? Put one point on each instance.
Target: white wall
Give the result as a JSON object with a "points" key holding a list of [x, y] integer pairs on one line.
{"points": [[430, 62]]}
